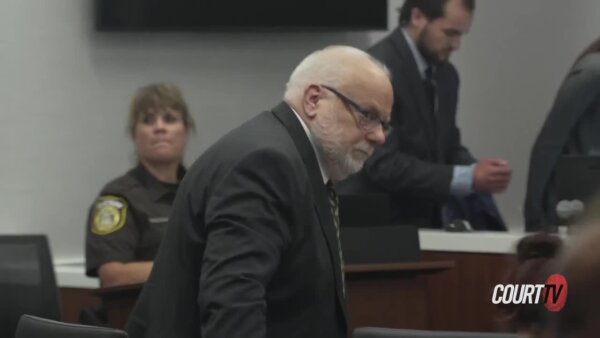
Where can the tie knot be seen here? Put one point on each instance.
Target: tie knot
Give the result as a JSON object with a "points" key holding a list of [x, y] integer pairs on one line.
{"points": [[331, 188], [333, 197], [430, 73]]}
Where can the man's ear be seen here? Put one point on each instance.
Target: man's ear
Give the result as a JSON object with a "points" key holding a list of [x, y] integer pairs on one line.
{"points": [[418, 19], [312, 100]]}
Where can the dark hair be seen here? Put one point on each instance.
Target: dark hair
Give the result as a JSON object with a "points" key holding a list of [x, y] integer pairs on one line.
{"points": [[594, 47], [432, 9], [535, 261]]}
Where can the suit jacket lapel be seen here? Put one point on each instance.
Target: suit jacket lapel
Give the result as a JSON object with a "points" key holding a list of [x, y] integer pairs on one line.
{"points": [[284, 113], [415, 81]]}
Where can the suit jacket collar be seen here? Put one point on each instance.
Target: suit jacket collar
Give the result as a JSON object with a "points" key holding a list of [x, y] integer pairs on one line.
{"points": [[312, 143], [284, 113], [420, 61], [410, 71]]}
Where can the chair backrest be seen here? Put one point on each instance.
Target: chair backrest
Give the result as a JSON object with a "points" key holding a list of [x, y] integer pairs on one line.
{"points": [[27, 281], [35, 327], [379, 332]]}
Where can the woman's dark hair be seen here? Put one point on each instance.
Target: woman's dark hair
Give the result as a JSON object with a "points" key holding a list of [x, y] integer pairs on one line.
{"points": [[535, 261]]}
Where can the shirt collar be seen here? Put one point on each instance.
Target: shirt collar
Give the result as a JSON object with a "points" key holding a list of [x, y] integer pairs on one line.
{"points": [[422, 65], [156, 188], [320, 161]]}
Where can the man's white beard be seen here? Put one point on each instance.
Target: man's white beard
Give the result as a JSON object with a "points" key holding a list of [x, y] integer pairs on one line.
{"points": [[341, 159]]}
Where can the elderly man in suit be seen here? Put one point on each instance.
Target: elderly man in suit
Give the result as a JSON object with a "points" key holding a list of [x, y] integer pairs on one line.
{"points": [[423, 161], [252, 247]]}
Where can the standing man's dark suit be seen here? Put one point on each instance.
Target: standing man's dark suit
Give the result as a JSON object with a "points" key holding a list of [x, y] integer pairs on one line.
{"points": [[251, 249], [415, 166]]}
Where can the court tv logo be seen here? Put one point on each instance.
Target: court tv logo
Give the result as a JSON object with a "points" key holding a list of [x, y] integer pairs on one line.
{"points": [[553, 294]]}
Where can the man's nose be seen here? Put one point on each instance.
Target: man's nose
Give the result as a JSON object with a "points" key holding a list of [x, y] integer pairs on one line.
{"points": [[376, 136]]}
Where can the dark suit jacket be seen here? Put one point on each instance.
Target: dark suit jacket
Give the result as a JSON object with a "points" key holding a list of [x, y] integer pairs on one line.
{"points": [[415, 165], [251, 249], [577, 98]]}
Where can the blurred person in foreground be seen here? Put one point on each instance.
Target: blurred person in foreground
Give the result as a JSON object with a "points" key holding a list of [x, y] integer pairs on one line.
{"points": [[580, 265], [536, 259]]}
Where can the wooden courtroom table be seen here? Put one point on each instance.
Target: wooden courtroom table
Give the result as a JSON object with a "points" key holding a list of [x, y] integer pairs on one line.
{"points": [[391, 295], [449, 289], [118, 301], [378, 295]]}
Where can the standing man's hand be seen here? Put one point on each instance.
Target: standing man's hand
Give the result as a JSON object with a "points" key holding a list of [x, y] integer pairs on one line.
{"points": [[491, 175]]}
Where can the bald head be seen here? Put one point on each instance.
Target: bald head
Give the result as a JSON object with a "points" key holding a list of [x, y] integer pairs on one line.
{"points": [[337, 66], [344, 96]]}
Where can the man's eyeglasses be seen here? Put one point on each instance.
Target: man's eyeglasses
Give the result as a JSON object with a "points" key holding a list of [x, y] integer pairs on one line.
{"points": [[365, 119]]}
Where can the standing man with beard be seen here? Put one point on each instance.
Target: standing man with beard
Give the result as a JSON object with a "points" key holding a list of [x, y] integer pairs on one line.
{"points": [[423, 161], [252, 247]]}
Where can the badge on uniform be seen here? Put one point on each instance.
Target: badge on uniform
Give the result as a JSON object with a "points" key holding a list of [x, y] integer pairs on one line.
{"points": [[109, 214]]}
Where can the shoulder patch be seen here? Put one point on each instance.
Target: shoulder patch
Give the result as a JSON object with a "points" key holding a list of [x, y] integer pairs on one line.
{"points": [[109, 214]]}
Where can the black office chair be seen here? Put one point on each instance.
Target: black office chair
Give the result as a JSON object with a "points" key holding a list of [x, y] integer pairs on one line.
{"points": [[35, 327], [379, 332], [27, 281]]}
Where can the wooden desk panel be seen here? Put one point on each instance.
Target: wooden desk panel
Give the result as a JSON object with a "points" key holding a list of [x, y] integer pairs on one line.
{"points": [[75, 299], [391, 295], [118, 302], [461, 297], [439, 297]]}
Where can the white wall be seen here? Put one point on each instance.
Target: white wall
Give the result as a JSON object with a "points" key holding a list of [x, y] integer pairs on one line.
{"points": [[65, 90]]}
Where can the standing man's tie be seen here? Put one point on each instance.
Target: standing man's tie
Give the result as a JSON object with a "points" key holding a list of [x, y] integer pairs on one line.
{"points": [[431, 89], [335, 211]]}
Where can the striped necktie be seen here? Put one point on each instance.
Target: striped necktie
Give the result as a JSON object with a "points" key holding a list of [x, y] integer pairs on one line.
{"points": [[335, 211]]}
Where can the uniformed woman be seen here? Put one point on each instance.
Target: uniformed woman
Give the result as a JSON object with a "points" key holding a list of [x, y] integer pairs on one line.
{"points": [[127, 220]]}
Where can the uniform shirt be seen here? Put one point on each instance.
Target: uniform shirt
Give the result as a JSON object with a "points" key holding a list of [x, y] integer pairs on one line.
{"points": [[127, 221]]}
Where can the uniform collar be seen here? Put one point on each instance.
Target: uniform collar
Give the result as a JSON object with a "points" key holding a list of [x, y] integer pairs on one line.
{"points": [[156, 188]]}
